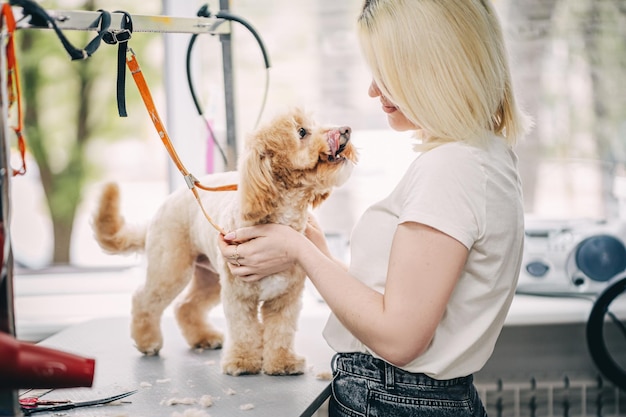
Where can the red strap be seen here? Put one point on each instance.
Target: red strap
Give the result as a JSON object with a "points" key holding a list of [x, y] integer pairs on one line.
{"points": [[13, 84]]}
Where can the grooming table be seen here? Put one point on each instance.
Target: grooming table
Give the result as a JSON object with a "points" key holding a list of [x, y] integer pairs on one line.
{"points": [[181, 374]]}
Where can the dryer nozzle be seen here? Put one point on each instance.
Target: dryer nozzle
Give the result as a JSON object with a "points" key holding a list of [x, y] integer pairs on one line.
{"points": [[25, 365]]}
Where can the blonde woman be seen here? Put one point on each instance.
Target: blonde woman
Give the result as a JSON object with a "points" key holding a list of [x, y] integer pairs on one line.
{"points": [[434, 265]]}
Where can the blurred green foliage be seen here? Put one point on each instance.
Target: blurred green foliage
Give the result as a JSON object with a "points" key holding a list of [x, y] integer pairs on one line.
{"points": [[67, 104]]}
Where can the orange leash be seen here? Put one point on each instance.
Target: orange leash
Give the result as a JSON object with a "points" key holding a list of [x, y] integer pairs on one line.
{"points": [[13, 85], [190, 180]]}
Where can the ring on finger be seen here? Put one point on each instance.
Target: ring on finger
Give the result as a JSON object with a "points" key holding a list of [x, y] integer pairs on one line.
{"points": [[235, 257]]}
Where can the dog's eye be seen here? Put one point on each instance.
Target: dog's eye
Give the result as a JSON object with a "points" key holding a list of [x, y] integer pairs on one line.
{"points": [[302, 132]]}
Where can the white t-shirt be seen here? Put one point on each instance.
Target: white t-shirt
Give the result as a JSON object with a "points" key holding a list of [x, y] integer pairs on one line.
{"points": [[474, 195]]}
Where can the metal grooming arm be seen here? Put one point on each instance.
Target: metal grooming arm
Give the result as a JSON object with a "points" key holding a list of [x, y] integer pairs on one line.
{"points": [[86, 21]]}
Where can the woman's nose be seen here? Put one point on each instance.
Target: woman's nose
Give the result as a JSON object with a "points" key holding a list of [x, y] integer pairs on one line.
{"points": [[373, 90]]}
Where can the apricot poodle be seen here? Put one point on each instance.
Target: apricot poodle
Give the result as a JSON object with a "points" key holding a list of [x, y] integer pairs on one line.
{"points": [[287, 167]]}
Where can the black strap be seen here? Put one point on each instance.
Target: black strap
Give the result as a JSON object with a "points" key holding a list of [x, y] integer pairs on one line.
{"points": [[121, 38], [205, 12], [202, 12], [40, 18]]}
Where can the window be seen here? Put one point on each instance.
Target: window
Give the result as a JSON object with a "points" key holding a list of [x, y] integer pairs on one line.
{"points": [[568, 62]]}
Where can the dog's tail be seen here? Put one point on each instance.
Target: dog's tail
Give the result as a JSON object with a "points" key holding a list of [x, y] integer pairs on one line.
{"points": [[110, 229]]}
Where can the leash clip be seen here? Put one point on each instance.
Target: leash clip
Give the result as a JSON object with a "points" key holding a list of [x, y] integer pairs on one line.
{"points": [[190, 180], [113, 37]]}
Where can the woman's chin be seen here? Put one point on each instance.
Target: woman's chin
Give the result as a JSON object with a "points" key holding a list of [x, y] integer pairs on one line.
{"points": [[400, 124]]}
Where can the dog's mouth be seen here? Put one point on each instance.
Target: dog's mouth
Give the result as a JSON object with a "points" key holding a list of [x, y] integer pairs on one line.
{"points": [[337, 141]]}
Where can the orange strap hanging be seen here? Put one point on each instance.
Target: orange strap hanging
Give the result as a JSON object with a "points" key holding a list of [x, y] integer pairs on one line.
{"points": [[13, 84], [190, 180]]}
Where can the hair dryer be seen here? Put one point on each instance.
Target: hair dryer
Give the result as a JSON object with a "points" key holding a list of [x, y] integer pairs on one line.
{"points": [[25, 365]]}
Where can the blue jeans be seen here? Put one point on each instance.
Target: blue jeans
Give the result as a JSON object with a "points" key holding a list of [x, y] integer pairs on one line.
{"points": [[366, 386]]}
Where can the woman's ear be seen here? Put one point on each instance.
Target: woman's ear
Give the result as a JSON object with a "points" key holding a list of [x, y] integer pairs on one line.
{"points": [[258, 188]]}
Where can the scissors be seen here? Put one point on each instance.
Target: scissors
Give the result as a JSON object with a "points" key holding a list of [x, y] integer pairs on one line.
{"points": [[32, 405]]}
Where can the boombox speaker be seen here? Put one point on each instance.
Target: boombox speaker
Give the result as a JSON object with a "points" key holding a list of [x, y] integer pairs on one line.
{"points": [[567, 258]]}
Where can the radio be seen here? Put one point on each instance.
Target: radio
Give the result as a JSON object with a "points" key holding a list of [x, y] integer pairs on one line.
{"points": [[571, 257]]}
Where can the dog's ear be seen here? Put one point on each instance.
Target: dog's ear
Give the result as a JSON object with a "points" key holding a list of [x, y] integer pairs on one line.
{"points": [[259, 191]]}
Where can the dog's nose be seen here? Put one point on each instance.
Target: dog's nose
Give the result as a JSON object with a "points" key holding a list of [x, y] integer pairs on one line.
{"points": [[345, 132], [344, 138]]}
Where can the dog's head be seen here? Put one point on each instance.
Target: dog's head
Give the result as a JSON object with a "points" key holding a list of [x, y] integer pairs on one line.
{"points": [[293, 161]]}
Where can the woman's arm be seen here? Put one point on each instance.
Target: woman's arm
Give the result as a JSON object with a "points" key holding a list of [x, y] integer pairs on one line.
{"points": [[315, 234], [424, 267]]}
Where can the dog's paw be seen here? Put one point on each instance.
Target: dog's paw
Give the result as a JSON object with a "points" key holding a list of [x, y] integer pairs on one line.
{"points": [[243, 365], [152, 350], [287, 363], [213, 340], [148, 339]]}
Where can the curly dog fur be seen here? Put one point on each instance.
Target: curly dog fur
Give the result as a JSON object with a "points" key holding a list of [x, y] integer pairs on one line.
{"points": [[288, 166]]}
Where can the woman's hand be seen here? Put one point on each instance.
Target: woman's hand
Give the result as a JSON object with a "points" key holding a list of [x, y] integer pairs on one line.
{"points": [[315, 234], [255, 252]]}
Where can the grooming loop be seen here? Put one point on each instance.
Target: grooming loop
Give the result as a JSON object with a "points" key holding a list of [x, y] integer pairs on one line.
{"points": [[190, 180]]}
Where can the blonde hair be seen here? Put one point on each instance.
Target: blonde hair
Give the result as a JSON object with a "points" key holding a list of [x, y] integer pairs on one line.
{"points": [[443, 64]]}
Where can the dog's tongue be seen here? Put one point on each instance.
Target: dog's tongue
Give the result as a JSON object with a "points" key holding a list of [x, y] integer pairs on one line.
{"points": [[333, 141]]}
